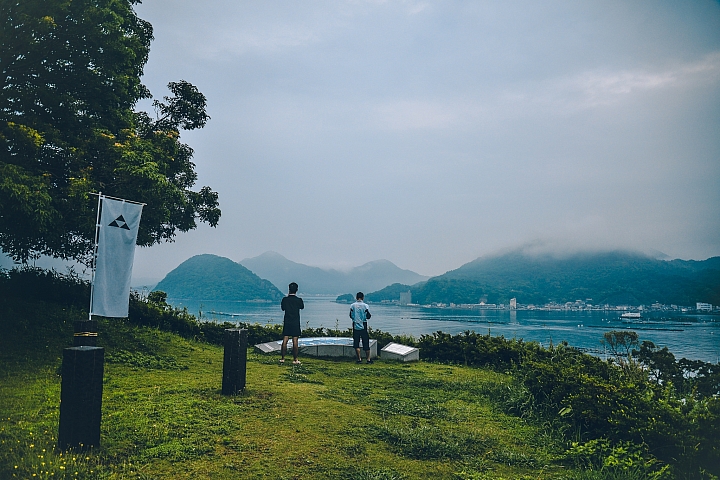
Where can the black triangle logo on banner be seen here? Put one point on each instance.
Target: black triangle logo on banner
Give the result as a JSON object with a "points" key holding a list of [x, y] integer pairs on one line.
{"points": [[120, 223]]}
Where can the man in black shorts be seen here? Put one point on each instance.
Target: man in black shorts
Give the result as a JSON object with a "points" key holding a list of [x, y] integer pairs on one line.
{"points": [[360, 314], [291, 305]]}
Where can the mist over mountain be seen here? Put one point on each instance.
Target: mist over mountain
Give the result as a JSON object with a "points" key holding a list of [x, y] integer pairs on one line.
{"points": [[210, 277], [313, 280], [615, 277]]}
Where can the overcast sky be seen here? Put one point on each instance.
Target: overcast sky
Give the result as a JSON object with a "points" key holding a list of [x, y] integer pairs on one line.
{"points": [[430, 133]]}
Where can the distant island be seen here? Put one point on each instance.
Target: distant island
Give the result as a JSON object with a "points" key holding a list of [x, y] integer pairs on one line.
{"points": [[211, 277], [314, 280], [607, 278]]}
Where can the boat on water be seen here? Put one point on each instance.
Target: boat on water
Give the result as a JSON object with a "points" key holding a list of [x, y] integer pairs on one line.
{"points": [[630, 315]]}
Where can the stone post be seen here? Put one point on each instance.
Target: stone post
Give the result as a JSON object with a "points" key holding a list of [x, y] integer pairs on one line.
{"points": [[235, 360], [81, 397]]}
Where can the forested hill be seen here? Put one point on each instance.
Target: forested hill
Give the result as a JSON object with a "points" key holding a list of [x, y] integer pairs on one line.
{"points": [[610, 277], [210, 277], [368, 277]]}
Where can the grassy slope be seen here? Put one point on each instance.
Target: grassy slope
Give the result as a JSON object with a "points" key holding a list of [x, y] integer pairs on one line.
{"points": [[164, 417]]}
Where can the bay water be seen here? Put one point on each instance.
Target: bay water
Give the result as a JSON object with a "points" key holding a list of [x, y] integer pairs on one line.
{"points": [[696, 337]]}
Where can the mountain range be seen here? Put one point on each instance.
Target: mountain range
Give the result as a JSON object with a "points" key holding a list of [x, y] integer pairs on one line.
{"points": [[210, 277], [314, 280], [614, 278]]}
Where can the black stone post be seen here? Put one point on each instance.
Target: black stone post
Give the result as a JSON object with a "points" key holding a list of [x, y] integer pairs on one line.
{"points": [[235, 360], [85, 333], [81, 397]]}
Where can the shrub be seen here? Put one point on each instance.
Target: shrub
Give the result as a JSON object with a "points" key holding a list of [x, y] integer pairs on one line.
{"points": [[622, 460], [35, 284]]}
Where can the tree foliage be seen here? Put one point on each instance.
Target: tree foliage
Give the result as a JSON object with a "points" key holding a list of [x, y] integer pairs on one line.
{"points": [[69, 84]]}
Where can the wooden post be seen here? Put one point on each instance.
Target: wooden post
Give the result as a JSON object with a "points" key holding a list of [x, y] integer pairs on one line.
{"points": [[235, 360], [81, 397]]}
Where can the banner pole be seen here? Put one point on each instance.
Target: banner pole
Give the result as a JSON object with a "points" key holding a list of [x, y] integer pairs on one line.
{"points": [[94, 256], [118, 198]]}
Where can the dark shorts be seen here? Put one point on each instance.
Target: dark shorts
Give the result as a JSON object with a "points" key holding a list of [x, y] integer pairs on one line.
{"points": [[361, 334], [291, 329]]}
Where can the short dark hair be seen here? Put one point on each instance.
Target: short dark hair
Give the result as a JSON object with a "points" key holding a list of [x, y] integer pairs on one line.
{"points": [[359, 296], [293, 287]]}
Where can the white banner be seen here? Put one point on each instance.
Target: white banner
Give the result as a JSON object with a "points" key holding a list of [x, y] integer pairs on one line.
{"points": [[118, 229]]}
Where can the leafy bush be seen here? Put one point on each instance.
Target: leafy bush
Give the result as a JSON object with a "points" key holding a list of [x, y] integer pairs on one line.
{"points": [[473, 349], [35, 284], [157, 313], [383, 338], [622, 460]]}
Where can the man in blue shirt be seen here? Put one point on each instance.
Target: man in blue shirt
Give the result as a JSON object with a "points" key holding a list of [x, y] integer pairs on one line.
{"points": [[360, 314]]}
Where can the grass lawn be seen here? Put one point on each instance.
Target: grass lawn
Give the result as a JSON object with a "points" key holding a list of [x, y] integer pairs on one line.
{"points": [[164, 416]]}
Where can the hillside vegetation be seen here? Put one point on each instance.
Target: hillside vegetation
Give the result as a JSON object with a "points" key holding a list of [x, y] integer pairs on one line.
{"points": [[476, 407], [210, 277], [613, 278]]}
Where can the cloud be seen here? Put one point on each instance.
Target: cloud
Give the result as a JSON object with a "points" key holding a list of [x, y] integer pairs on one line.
{"points": [[559, 96], [267, 40], [220, 43], [411, 7], [415, 8], [415, 114], [597, 88]]}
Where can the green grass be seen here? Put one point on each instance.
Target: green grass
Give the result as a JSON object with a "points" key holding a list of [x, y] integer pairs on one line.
{"points": [[164, 416]]}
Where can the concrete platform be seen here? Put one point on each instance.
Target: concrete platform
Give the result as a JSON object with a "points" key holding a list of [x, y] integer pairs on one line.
{"points": [[320, 347], [403, 353]]}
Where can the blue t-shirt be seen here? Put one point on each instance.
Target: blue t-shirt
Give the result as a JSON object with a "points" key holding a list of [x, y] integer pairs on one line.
{"points": [[358, 314]]}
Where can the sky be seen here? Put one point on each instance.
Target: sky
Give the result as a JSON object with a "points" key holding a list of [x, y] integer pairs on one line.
{"points": [[431, 133]]}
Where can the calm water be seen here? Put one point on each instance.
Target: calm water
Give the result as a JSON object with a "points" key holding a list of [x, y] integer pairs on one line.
{"points": [[695, 337]]}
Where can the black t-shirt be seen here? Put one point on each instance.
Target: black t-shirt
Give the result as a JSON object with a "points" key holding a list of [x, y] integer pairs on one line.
{"points": [[292, 305]]}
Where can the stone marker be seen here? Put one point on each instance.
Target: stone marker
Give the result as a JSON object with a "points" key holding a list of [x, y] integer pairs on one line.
{"points": [[321, 347], [81, 397], [397, 351], [235, 360], [269, 347]]}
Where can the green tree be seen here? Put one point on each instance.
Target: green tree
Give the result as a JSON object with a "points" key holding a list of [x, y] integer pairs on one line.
{"points": [[621, 344], [69, 86]]}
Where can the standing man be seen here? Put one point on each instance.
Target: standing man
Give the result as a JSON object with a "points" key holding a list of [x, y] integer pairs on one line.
{"points": [[291, 305], [360, 314]]}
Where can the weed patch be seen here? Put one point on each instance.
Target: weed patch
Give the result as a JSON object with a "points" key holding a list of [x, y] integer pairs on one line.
{"points": [[373, 474], [427, 442], [144, 360], [411, 407]]}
